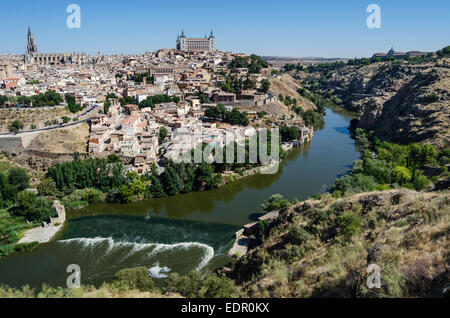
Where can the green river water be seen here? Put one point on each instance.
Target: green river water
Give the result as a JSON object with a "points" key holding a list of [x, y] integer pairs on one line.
{"points": [[185, 232]]}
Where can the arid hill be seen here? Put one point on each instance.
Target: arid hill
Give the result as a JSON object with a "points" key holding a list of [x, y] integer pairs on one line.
{"points": [[401, 101], [288, 86], [322, 248]]}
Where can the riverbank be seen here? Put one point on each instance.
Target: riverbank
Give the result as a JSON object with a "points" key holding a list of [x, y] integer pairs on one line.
{"points": [[208, 217], [84, 198], [40, 234], [383, 166], [323, 247], [47, 231], [244, 239]]}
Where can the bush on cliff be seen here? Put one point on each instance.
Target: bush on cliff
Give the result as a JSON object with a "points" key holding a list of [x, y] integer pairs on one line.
{"points": [[201, 285], [275, 202], [298, 235], [350, 224], [134, 278], [88, 195], [34, 208]]}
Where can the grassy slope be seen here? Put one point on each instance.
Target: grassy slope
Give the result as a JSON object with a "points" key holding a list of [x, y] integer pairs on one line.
{"points": [[404, 232], [288, 86], [106, 291], [31, 116]]}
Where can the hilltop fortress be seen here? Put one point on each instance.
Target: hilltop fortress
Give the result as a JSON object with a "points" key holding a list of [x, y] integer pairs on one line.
{"points": [[196, 44]]}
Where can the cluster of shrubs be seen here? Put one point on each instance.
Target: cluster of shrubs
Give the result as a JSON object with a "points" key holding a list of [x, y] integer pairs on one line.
{"points": [[193, 285], [233, 117], [17, 206], [387, 165], [253, 63], [152, 101]]}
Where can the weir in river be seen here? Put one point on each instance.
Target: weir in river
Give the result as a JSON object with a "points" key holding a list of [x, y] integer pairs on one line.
{"points": [[182, 233]]}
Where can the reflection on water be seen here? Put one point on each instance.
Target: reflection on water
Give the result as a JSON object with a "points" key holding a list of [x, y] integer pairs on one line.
{"points": [[181, 233], [181, 206], [103, 245], [306, 170]]}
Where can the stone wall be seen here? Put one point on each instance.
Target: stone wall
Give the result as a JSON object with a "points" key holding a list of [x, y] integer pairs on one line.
{"points": [[61, 218], [11, 144], [55, 156]]}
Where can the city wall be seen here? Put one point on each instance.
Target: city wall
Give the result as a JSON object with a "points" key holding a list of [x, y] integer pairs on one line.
{"points": [[12, 144]]}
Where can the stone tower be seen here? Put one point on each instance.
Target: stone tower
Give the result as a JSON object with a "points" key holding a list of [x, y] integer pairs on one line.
{"points": [[32, 47], [212, 41]]}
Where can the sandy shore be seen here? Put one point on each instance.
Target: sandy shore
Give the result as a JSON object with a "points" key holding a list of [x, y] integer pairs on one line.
{"points": [[40, 234]]}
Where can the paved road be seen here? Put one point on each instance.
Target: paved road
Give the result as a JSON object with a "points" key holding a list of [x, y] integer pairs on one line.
{"points": [[46, 128], [54, 127]]}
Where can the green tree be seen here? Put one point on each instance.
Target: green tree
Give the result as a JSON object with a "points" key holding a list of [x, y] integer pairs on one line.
{"points": [[420, 155], [350, 224], [72, 104], [3, 100], [420, 181], [16, 126], [25, 201], [162, 133], [275, 202], [8, 192], [19, 178], [156, 187], [204, 177], [33, 207], [201, 285], [289, 133], [171, 180], [401, 175], [47, 187], [132, 190], [106, 106], [265, 85], [298, 235], [113, 158], [134, 278]]}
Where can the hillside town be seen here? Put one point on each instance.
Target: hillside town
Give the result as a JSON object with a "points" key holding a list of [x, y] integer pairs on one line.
{"points": [[141, 107], [293, 150]]}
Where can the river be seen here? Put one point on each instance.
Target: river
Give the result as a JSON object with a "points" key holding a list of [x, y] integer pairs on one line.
{"points": [[185, 232]]}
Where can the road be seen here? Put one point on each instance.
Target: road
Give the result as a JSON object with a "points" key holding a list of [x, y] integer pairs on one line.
{"points": [[46, 128], [54, 127]]}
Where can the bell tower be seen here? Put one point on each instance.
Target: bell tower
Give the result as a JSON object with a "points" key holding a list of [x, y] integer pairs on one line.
{"points": [[31, 47]]}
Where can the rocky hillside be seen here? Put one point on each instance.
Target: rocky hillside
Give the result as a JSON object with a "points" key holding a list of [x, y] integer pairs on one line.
{"points": [[322, 248], [32, 117], [288, 86], [401, 101]]}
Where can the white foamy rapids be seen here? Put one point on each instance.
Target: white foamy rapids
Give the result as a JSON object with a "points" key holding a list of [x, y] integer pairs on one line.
{"points": [[209, 251], [89, 243], [159, 272]]}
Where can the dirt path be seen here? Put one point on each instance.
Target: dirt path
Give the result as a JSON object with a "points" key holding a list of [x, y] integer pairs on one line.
{"points": [[40, 234]]}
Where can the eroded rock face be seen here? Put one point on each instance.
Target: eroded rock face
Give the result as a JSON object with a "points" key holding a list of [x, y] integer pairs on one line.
{"points": [[401, 103]]}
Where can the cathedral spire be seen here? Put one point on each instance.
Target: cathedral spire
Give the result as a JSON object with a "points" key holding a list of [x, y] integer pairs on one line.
{"points": [[31, 47]]}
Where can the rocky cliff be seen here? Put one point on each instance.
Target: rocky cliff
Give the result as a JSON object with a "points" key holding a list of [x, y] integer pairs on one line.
{"points": [[401, 101]]}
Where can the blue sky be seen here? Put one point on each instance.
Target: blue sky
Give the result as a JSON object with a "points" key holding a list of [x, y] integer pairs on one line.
{"points": [[326, 28]]}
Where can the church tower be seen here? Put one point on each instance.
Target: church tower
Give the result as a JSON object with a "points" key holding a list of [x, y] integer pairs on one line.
{"points": [[32, 47]]}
